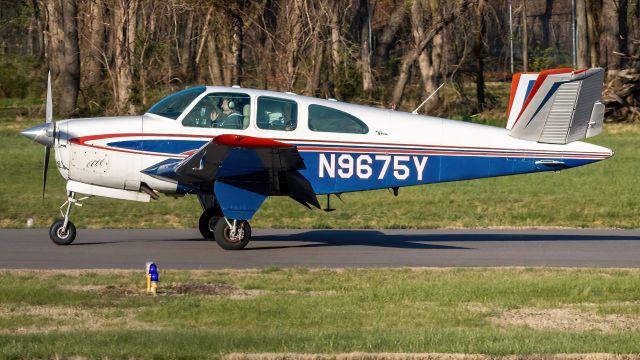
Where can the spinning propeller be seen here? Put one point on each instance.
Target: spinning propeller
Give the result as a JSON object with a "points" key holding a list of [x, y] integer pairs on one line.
{"points": [[44, 134]]}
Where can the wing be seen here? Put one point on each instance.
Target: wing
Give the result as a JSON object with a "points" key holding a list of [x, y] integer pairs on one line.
{"points": [[242, 171]]}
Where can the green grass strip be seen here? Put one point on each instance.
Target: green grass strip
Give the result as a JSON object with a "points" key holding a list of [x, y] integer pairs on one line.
{"points": [[207, 314]]}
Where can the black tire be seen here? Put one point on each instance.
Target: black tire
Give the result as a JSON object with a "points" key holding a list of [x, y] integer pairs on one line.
{"points": [[58, 236], [221, 234], [208, 221]]}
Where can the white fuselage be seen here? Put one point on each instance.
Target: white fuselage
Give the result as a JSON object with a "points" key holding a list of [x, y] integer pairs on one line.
{"points": [[85, 150]]}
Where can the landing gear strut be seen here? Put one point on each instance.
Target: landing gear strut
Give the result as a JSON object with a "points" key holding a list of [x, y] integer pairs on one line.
{"points": [[232, 234], [63, 232]]}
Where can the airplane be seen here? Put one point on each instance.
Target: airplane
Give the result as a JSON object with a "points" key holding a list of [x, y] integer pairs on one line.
{"points": [[233, 147]]}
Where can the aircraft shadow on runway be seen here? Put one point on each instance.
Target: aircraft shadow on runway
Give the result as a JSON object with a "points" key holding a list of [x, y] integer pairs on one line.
{"points": [[376, 238], [316, 238], [323, 238], [416, 241]]}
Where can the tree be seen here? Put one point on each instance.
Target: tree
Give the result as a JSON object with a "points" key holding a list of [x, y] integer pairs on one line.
{"points": [[411, 55], [609, 43], [335, 26], [478, 51], [368, 50], [184, 55], [236, 47], [63, 53], [633, 38], [582, 34], [123, 44], [592, 26], [95, 48], [546, 23], [40, 27], [70, 73], [525, 37], [390, 30], [365, 46], [429, 58]]}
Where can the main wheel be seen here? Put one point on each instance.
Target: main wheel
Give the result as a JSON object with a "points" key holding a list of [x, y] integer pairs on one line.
{"points": [[208, 221], [222, 234], [61, 237]]}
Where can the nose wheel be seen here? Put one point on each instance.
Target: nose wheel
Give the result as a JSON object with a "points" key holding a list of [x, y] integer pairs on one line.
{"points": [[62, 235], [63, 232], [232, 234]]}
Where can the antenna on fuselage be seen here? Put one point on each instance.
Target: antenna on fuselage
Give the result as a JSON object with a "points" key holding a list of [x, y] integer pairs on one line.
{"points": [[427, 99], [329, 208]]}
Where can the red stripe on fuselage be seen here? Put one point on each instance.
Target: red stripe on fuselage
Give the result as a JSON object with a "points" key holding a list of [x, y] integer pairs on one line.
{"points": [[456, 153], [83, 139], [438, 146]]}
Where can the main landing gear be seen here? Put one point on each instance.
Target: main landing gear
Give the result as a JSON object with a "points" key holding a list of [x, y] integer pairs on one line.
{"points": [[228, 233], [232, 234], [208, 221], [63, 232]]}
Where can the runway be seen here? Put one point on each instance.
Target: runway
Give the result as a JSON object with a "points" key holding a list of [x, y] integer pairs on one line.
{"points": [[184, 249]]}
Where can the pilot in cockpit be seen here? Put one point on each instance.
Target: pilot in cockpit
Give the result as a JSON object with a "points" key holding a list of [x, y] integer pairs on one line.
{"points": [[226, 116]]}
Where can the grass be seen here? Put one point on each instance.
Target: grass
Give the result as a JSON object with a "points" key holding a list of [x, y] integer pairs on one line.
{"points": [[602, 195], [106, 313]]}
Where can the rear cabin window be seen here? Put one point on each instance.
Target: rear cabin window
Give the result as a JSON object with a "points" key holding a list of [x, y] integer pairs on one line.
{"points": [[277, 114], [326, 119], [220, 110]]}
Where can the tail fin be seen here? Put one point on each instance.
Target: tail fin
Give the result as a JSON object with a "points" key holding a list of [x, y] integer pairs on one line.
{"points": [[556, 106]]}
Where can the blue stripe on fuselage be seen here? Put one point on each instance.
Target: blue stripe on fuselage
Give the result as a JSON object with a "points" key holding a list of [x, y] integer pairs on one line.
{"points": [[361, 170], [439, 168], [165, 146]]}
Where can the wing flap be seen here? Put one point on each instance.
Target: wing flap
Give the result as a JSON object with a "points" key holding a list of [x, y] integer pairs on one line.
{"points": [[242, 171]]}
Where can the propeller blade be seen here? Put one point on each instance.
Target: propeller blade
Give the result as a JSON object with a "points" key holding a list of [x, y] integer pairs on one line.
{"points": [[48, 119], [49, 106], [47, 152]]}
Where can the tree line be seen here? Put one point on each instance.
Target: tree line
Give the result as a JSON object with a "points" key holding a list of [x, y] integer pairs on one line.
{"points": [[118, 56]]}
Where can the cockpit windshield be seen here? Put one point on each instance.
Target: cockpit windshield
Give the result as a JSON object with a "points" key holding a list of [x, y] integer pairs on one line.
{"points": [[173, 105]]}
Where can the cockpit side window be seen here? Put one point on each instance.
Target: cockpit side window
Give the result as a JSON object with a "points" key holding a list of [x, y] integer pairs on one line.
{"points": [[173, 105], [220, 110], [326, 119], [277, 114]]}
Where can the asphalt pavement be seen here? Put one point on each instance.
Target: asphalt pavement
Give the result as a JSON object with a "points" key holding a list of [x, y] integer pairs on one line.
{"points": [[184, 249]]}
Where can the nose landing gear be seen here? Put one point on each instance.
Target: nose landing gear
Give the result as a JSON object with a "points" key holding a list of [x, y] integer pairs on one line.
{"points": [[63, 232]]}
